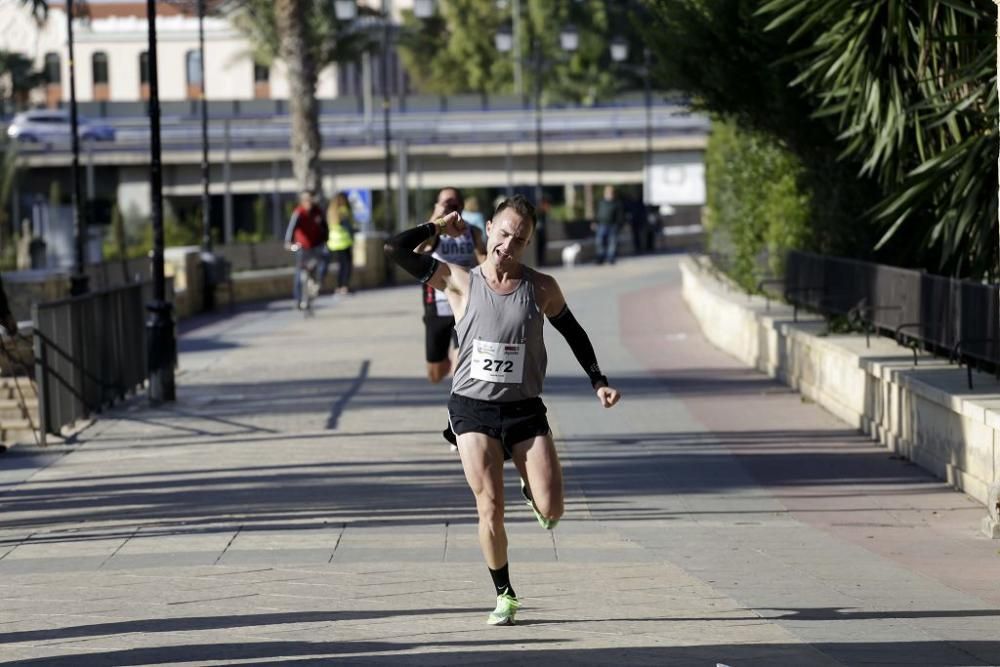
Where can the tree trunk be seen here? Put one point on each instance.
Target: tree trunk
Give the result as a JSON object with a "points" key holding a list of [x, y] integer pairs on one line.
{"points": [[302, 105]]}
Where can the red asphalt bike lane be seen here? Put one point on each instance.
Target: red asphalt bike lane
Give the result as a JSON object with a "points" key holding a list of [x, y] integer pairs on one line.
{"points": [[824, 472]]}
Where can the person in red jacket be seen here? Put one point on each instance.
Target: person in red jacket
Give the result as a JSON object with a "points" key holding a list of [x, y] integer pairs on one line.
{"points": [[307, 235]]}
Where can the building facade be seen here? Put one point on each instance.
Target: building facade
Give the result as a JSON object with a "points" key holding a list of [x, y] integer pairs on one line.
{"points": [[110, 43]]}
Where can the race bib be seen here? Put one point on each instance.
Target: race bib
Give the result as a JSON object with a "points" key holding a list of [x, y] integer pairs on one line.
{"points": [[497, 362]]}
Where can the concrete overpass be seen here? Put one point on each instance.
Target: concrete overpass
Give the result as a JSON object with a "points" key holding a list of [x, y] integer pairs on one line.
{"points": [[470, 149]]}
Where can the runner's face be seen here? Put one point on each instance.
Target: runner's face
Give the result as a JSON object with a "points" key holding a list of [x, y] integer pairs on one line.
{"points": [[508, 235], [447, 201]]}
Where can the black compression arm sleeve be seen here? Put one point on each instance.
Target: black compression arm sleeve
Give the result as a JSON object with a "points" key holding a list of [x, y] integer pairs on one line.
{"points": [[578, 341], [400, 250]]}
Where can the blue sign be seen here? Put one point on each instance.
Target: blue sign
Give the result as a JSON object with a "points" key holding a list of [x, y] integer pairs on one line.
{"points": [[361, 207]]}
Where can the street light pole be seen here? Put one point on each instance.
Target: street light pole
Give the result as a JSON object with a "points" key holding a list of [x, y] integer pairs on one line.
{"points": [[648, 158], [569, 41], [206, 223], [386, 111], [161, 346], [516, 34], [207, 259], [346, 10], [540, 236], [78, 281], [619, 54]]}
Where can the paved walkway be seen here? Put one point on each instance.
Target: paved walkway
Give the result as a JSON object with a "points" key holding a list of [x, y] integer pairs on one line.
{"points": [[298, 504]]}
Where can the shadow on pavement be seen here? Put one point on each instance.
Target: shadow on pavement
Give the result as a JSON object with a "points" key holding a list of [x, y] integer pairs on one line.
{"points": [[929, 653], [193, 623]]}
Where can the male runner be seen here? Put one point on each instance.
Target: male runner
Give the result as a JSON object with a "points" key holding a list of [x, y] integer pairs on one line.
{"points": [[495, 407], [466, 250]]}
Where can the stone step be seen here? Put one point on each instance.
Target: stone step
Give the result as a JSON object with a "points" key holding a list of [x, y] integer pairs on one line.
{"points": [[13, 408], [16, 432], [24, 387]]}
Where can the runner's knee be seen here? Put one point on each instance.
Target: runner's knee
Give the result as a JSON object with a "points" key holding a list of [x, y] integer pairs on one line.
{"points": [[490, 510]]}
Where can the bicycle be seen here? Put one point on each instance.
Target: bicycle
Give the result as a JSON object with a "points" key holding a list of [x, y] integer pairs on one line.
{"points": [[307, 275]]}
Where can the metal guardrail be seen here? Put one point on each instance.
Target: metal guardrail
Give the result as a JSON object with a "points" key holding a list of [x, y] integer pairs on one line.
{"points": [[348, 105], [959, 319], [415, 128], [89, 351]]}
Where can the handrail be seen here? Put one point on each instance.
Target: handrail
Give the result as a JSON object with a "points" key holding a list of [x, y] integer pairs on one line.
{"points": [[956, 354], [767, 297], [859, 308]]}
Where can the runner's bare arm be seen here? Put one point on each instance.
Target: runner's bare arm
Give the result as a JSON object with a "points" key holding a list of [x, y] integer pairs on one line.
{"points": [[553, 304]]}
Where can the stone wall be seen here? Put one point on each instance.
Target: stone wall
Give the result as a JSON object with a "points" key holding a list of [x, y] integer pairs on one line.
{"points": [[924, 412]]}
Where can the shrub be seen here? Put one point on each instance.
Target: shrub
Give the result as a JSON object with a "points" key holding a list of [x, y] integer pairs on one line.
{"points": [[756, 209]]}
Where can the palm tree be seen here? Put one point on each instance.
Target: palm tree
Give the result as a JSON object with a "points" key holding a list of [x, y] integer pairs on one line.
{"points": [[303, 107], [40, 8], [913, 89], [305, 36], [18, 77]]}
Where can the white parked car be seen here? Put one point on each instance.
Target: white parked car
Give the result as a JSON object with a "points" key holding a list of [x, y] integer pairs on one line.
{"points": [[52, 125]]}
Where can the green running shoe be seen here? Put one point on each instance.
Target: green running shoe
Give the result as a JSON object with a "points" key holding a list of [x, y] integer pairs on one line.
{"points": [[507, 606], [547, 524]]}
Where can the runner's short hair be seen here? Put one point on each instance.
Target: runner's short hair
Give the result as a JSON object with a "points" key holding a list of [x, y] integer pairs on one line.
{"points": [[458, 193], [520, 205]]}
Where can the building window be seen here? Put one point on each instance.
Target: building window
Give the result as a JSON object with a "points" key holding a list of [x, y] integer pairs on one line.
{"points": [[192, 64], [99, 63], [53, 69], [261, 81], [144, 75], [53, 80]]}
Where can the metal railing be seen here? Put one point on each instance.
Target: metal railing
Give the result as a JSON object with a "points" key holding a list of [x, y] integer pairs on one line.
{"points": [[89, 351], [944, 316]]}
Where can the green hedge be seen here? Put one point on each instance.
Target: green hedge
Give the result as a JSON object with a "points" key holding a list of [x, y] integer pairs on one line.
{"points": [[756, 209]]}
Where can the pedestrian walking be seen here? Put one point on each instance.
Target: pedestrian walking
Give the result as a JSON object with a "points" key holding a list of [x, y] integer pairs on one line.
{"points": [[610, 215], [340, 222]]}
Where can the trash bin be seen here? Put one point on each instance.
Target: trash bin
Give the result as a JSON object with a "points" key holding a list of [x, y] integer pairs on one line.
{"points": [[216, 270]]}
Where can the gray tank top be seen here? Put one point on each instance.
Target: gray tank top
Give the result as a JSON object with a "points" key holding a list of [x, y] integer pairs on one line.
{"points": [[501, 350]]}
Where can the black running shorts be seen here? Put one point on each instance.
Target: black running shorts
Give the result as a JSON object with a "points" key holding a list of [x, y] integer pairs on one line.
{"points": [[439, 333], [510, 423]]}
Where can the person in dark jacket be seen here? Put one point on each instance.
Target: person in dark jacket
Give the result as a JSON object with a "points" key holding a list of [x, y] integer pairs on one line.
{"points": [[7, 320], [610, 216]]}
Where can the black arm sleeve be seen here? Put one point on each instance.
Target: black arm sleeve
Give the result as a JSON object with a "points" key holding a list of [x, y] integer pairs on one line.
{"points": [[578, 341], [400, 250]]}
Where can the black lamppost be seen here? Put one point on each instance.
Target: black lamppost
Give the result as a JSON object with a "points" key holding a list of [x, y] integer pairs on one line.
{"points": [[161, 350], [78, 282], [347, 10], [207, 258], [387, 114], [206, 223], [569, 41], [619, 54]]}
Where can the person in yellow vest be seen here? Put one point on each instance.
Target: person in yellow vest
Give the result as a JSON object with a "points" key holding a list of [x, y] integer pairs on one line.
{"points": [[340, 244]]}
